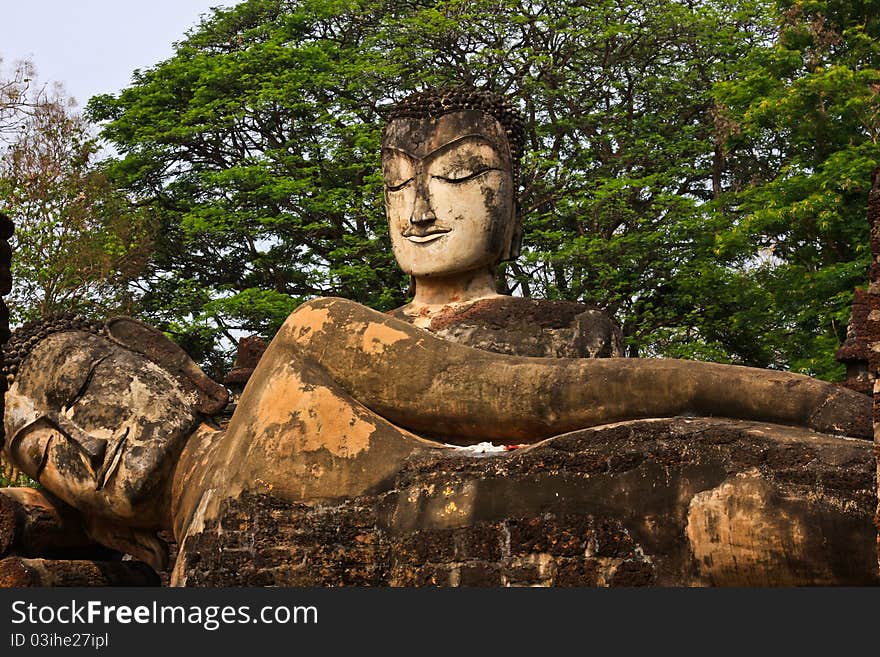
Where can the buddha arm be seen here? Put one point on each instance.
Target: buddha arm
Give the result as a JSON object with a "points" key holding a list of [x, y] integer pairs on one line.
{"points": [[463, 395]]}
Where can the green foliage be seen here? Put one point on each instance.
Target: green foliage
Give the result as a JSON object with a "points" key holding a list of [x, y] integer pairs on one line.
{"points": [[802, 122], [11, 476], [19, 480], [700, 197], [257, 147], [77, 241], [255, 311]]}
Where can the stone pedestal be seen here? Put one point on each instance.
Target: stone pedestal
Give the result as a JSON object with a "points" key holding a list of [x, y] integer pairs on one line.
{"points": [[677, 502], [28, 573]]}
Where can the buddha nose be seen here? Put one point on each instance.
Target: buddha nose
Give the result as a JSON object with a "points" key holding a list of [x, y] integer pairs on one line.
{"points": [[422, 212]]}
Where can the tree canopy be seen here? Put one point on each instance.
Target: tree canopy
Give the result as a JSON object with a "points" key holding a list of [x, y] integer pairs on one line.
{"points": [[697, 168], [800, 139], [77, 242]]}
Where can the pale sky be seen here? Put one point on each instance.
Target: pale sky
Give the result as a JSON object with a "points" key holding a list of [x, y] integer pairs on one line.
{"points": [[93, 46]]}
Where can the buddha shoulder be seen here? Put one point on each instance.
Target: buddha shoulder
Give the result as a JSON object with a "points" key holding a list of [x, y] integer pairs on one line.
{"points": [[525, 327]]}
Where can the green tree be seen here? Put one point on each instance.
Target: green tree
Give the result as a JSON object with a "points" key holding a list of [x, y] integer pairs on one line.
{"points": [[256, 147], [799, 132], [77, 241]]}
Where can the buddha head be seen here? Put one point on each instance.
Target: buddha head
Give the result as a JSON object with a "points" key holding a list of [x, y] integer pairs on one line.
{"points": [[450, 162], [98, 412]]}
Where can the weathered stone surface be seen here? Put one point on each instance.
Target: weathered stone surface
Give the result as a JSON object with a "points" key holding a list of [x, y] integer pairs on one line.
{"points": [[34, 525], [677, 502], [19, 572], [250, 350], [528, 327], [151, 342], [872, 321], [98, 425], [450, 162], [854, 351]]}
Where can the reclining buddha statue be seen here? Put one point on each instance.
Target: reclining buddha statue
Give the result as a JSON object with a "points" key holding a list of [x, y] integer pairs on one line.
{"points": [[114, 419]]}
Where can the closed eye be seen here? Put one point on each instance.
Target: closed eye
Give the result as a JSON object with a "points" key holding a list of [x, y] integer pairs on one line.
{"points": [[399, 186], [457, 180]]}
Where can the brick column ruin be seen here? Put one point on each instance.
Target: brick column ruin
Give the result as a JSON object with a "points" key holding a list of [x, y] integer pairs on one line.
{"points": [[854, 351]]}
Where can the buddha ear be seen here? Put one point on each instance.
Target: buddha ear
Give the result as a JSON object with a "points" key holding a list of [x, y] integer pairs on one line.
{"points": [[152, 343], [515, 246]]}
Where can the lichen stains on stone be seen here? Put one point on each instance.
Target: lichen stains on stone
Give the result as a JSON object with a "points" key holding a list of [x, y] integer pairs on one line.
{"points": [[377, 337], [622, 518], [334, 424], [306, 320], [316, 417], [525, 327], [742, 529], [275, 406], [504, 312]]}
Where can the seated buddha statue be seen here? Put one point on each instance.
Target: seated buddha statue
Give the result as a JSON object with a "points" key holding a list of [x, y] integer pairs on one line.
{"points": [[450, 178], [344, 395]]}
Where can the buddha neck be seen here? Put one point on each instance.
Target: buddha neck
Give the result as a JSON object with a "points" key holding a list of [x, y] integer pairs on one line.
{"points": [[434, 294], [458, 288]]}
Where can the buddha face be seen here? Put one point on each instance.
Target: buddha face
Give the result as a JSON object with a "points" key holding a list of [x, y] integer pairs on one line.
{"points": [[98, 425], [449, 193]]}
